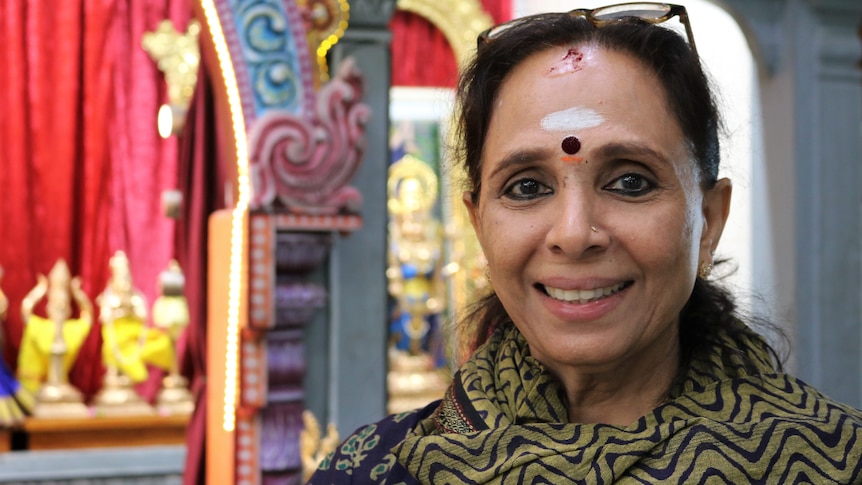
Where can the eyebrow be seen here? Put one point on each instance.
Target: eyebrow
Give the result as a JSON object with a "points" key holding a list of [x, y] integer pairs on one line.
{"points": [[519, 157], [630, 149], [615, 150]]}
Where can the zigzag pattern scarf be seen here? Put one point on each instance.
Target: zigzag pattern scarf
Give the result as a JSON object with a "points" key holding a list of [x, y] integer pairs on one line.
{"points": [[504, 420]]}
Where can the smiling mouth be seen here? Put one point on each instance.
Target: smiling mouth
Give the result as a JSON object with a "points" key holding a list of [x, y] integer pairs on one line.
{"points": [[583, 296]]}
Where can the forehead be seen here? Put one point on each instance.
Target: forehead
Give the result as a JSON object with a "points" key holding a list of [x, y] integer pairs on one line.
{"points": [[582, 90]]}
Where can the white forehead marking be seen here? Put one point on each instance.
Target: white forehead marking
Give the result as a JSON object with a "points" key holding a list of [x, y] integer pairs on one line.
{"points": [[572, 119]]}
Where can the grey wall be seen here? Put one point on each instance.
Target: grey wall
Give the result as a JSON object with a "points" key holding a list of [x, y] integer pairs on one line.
{"points": [[811, 100], [346, 380]]}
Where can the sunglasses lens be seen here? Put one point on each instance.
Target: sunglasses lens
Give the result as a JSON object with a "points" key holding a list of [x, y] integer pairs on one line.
{"points": [[499, 29], [646, 11]]}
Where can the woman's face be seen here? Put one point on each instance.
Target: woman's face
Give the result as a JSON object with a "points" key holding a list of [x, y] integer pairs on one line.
{"points": [[592, 253]]}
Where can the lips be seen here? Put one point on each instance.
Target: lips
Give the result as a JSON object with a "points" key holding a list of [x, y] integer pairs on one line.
{"points": [[583, 296]]}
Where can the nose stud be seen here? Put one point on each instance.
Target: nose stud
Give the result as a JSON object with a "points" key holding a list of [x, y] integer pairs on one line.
{"points": [[593, 228]]}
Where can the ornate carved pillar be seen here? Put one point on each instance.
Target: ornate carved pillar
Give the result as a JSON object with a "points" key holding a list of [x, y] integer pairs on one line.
{"points": [[285, 252], [297, 137]]}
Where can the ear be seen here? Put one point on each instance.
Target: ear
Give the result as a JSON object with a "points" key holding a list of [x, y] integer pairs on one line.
{"points": [[472, 209], [716, 208]]}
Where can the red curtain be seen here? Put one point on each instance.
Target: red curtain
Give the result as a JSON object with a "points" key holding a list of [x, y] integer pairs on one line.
{"points": [[81, 165], [202, 182], [421, 55]]}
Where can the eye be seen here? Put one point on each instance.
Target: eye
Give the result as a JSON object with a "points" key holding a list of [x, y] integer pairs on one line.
{"points": [[526, 189], [631, 184]]}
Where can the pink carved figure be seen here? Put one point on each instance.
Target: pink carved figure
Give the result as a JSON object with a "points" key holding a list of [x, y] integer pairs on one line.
{"points": [[305, 165]]}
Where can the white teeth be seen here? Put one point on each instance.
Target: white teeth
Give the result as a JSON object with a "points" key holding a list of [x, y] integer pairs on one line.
{"points": [[583, 296]]}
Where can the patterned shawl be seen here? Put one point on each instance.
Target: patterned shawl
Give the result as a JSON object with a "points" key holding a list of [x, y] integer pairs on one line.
{"points": [[504, 420]]}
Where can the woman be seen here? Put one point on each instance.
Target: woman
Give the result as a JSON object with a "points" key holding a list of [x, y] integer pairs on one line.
{"points": [[605, 354]]}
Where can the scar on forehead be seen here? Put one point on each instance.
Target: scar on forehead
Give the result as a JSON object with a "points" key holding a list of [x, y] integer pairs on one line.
{"points": [[571, 62]]}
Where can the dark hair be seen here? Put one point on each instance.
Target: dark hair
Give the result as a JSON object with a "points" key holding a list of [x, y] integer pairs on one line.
{"points": [[710, 308]]}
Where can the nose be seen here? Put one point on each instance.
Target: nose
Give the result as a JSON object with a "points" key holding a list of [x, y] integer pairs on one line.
{"points": [[576, 230]]}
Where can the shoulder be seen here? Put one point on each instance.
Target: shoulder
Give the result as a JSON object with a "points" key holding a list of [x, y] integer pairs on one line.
{"points": [[777, 424], [365, 455], [765, 397], [789, 397]]}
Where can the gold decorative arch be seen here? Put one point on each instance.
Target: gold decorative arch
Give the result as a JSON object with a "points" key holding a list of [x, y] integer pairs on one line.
{"points": [[461, 21]]}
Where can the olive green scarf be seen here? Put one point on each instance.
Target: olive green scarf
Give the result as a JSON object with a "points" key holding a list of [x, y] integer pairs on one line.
{"points": [[504, 420]]}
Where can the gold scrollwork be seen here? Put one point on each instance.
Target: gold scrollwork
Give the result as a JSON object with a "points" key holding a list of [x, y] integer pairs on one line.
{"points": [[327, 23], [177, 55]]}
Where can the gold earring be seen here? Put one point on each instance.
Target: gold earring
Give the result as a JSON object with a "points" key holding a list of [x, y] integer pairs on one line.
{"points": [[704, 270]]}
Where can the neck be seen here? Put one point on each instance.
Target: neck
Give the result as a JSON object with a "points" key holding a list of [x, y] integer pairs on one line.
{"points": [[622, 395]]}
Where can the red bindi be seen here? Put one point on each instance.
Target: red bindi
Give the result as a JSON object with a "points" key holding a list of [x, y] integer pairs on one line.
{"points": [[571, 144]]}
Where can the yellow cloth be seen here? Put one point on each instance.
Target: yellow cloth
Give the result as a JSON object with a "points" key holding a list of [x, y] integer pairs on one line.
{"points": [[137, 346], [35, 354], [10, 413], [15, 407]]}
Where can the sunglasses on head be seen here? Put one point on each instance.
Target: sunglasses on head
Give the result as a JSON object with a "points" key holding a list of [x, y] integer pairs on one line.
{"points": [[654, 13]]}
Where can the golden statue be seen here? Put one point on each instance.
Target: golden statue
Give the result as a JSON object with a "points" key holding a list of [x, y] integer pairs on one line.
{"points": [[314, 446], [50, 345], [416, 281], [171, 314], [178, 57], [128, 345]]}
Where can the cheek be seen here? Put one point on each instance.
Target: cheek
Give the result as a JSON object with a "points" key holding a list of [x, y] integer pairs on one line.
{"points": [[678, 244], [694, 224], [491, 235], [506, 238], [665, 240]]}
